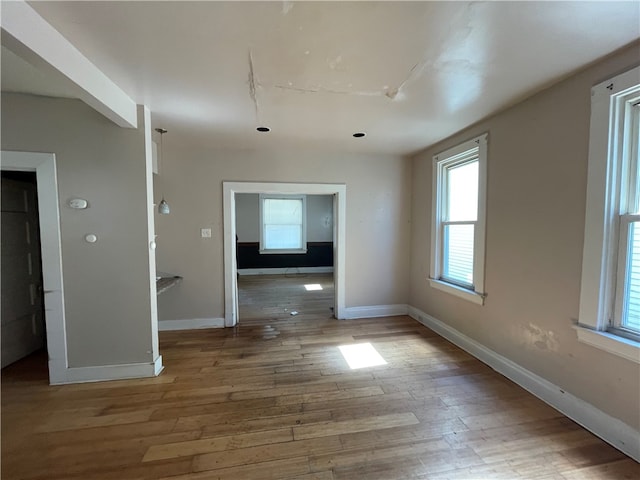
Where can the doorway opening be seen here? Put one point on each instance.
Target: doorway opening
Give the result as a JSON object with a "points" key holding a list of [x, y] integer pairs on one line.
{"points": [[44, 166], [296, 296], [284, 255], [23, 327], [231, 190]]}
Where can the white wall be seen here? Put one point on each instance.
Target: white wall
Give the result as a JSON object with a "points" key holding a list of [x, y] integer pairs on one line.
{"points": [[536, 197], [248, 217], [109, 297], [377, 235], [319, 217]]}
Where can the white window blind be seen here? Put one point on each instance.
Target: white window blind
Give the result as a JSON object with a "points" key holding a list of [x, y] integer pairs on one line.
{"points": [[631, 301], [461, 214]]}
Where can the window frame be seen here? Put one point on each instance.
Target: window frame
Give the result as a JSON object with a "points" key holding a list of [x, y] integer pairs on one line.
{"points": [[606, 215], [628, 198], [303, 234], [458, 155]]}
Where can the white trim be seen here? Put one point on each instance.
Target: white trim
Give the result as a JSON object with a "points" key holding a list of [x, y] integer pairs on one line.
{"points": [[471, 149], [229, 190], [111, 372], [29, 36], [145, 113], [610, 429], [157, 366], [603, 197], [461, 292], [374, 311], [284, 270], [44, 164], [190, 324], [614, 344]]}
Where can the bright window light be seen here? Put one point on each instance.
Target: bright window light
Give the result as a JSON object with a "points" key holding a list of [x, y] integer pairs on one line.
{"points": [[361, 355], [283, 223], [313, 286]]}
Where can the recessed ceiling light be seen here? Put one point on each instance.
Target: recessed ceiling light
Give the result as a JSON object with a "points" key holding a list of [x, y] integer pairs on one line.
{"points": [[263, 129], [359, 135]]}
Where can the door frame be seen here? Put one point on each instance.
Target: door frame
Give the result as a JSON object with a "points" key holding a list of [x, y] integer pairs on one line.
{"points": [[44, 164], [229, 189]]}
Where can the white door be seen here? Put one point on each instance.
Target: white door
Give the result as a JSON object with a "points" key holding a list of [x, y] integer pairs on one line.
{"points": [[22, 322]]}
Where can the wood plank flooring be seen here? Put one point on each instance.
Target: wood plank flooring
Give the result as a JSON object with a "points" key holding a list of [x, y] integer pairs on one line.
{"points": [[275, 399], [270, 297]]}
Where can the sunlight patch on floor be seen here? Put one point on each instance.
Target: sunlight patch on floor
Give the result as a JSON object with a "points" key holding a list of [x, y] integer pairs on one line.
{"points": [[312, 286], [361, 355]]}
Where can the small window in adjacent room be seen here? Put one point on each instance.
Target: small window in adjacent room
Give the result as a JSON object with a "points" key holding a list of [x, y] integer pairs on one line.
{"points": [[609, 315], [282, 224], [458, 213]]}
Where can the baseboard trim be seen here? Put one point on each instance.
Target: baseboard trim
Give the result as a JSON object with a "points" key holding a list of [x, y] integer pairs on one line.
{"points": [[374, 311], [110, 372], [157, 366], [190, 324], [284, 271], [610, 429]]}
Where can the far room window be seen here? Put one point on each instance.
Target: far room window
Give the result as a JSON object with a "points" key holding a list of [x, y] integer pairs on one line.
{"points": [[610, 288], [282, 224], [458, 212]]}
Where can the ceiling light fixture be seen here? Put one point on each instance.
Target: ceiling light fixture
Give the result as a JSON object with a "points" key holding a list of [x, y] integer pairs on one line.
{"points": [[263, 129], [163, 206], [359, 134]]}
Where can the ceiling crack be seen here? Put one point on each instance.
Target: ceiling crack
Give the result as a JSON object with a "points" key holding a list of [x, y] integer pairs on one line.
{"points": [[357, 93], [391, 93], [296, 89], [253, 82], [286, 7], [396, 93]]}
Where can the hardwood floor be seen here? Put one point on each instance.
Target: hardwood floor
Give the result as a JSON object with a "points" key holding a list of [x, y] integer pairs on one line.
{"points": [[275, 399], [270, 297]]}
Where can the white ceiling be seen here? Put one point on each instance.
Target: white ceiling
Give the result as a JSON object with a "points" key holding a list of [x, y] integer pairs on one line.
{"points": [[407, 74]]}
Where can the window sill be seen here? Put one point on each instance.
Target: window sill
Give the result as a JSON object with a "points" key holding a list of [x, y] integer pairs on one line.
{"points": [[458, 291], [274, 251], [620, 346]]}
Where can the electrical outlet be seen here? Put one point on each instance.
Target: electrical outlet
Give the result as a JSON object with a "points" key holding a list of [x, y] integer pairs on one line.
{"points": [[205, 232]]}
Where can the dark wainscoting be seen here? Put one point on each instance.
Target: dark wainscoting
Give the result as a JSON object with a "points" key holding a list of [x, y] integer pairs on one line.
{"points": [[319, 254]]}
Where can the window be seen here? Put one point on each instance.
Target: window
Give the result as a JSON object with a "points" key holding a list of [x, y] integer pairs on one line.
{"points": [[458, 218], [610, 290], [626, 316], [282, 224]]}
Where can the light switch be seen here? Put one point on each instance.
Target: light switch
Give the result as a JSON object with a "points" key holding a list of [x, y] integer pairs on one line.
{"points": [[205, 232]]}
